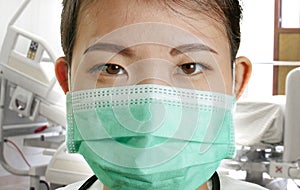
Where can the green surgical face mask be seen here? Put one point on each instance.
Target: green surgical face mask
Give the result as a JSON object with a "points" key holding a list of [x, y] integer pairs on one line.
{"points": [[151, 136]]}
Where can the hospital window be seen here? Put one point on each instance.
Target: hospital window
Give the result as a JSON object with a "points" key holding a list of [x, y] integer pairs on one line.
{"points": [[286, 41]]}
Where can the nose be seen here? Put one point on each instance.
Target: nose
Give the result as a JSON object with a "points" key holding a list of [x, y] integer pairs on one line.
{"points": [[155, 81], [151, 71]]}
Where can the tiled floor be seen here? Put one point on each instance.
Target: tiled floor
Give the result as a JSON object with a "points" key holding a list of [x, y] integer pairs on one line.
{"points": [[11, 182]]}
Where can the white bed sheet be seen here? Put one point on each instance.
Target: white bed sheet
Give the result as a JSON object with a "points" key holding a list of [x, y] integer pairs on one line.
{"points": [[259, 120]]}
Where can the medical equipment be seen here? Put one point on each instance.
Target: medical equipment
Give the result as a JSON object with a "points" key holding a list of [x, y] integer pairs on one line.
{"points": [[28, 90], [65, 168], [267, 134], [88, 183], [28, 94]]}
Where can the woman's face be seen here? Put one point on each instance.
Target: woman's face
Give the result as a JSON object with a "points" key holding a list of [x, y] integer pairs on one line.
{"points": [[141, 42]]}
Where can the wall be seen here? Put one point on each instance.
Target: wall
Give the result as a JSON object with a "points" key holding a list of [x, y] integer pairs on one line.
{"points": [[257, 43]]}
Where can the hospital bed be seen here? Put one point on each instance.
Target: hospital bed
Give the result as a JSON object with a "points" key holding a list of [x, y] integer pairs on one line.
{"points": [[267, 134], [29, 101], [266, 129]]}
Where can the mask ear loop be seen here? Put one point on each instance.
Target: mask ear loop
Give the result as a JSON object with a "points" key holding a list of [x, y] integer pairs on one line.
{"points": [[233, 79], [69, 77]]}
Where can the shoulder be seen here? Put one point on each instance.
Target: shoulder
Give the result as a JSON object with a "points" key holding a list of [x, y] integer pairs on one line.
{"points": [[228, 183], [96, 186]]}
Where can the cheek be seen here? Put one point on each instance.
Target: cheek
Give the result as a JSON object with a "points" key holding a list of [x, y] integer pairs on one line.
{"points": [[74, 73], [220, 79], [213, 81], [218, 82], [223, 80], [224, 72]]}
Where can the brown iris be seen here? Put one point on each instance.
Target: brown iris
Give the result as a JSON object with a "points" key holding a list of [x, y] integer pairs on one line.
{"points": [[189, 68], [113, 69]]}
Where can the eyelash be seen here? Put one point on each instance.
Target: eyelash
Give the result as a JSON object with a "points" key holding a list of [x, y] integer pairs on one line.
{"points": [[202, 65], [103, 67], [95, 68]]}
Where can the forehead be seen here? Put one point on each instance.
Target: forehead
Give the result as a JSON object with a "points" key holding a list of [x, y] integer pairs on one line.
{"points": [[98, 18]]}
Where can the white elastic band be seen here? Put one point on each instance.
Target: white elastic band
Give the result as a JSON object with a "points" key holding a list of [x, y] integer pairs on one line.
{"points": [[69, 76], [233, 78]]}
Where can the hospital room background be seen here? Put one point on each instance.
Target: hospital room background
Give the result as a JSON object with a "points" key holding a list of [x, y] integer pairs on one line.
{"points": [[259, 43]]}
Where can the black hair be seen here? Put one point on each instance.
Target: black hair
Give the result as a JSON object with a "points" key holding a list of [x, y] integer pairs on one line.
{"points": [[228, 12]]}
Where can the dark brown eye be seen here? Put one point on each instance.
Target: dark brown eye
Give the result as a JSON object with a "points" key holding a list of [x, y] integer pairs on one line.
{"points": [[192, 68], [108, 69], [113, 69], [189, 68]]}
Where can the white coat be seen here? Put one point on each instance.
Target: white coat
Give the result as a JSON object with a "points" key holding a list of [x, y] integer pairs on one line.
{"points": [[226, 183]]}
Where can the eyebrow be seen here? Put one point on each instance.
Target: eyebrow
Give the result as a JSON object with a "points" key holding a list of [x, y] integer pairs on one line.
{"points": [[191, 48], [115, 48]]}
